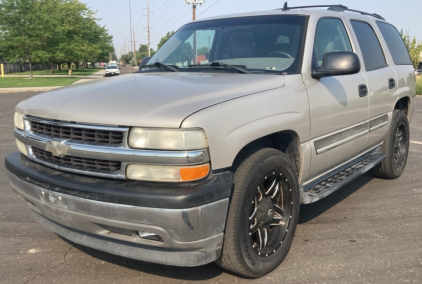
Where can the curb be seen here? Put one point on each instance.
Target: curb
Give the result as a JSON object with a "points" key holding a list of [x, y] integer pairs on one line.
{"points": [[28, 89]]}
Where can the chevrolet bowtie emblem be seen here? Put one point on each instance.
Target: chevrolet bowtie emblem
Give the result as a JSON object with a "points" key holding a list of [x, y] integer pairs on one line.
{"points": [[57, 148]]}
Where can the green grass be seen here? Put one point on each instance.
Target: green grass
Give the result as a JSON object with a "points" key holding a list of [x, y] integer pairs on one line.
{"points": [[37, 82], [80, 72], [419, 85]]}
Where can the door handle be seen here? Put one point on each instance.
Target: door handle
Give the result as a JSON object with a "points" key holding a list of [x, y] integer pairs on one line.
{"points": [[391, 83], [363, 90]]}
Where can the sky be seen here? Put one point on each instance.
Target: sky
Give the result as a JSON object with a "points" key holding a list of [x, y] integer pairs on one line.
{"points": [[170, 15]]}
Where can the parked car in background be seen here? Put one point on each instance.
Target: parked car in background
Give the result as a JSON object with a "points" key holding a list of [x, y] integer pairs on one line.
{"points": [[418, 72], [191, 161], [112, 70]]}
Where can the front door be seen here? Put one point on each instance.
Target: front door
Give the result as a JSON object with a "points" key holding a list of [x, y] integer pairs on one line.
{"points": [[338, 110]]}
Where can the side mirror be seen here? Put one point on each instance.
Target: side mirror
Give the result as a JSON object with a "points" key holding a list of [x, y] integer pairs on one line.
{"points": [[144, 62], [337, 63]]}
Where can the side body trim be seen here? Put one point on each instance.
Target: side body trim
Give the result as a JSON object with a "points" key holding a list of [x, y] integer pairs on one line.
{"points": [[334, 140]]}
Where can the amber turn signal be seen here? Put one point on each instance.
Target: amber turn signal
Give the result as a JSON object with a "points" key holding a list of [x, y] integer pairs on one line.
{"points": [[194, 173]]}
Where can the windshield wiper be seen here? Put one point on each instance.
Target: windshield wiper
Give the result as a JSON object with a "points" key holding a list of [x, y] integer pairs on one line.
{"points": [[239, 68], [159, 64]]}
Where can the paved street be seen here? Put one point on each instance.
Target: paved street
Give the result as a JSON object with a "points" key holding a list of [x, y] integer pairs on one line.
{"points": [[368, 232]]}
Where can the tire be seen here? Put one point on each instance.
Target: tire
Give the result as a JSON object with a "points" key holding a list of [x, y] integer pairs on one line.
{"points": [[396, 146], [264, 177]]}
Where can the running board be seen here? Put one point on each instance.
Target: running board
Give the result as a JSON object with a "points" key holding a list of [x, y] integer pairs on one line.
{"points": [[324, 188]]}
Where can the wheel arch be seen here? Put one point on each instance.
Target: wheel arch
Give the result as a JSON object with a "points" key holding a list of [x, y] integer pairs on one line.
{"points": [[403, 104], [286, 141]]}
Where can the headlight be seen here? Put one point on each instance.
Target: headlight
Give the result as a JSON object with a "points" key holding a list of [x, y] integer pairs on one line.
{"points": [[19, 121], [168, 139], [167, 173]]}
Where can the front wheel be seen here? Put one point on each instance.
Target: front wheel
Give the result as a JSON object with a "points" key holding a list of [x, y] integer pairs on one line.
{"points": [[263, 214]]}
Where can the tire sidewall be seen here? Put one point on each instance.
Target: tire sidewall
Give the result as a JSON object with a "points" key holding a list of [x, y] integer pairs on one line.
{"points": [[262, 265], [398, 118]]}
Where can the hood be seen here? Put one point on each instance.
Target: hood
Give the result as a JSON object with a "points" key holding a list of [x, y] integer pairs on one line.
{"points": [[145, 100]]}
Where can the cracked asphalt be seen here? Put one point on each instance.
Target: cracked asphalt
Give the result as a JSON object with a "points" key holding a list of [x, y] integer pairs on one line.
{"points": [[370, 231]]}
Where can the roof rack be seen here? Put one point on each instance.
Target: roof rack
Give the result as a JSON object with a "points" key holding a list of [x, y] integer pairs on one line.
{"points": [[336, 8]]}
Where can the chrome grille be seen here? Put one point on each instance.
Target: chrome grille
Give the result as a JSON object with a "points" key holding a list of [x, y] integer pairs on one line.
{"points": [[77, 134], [86, 164]]}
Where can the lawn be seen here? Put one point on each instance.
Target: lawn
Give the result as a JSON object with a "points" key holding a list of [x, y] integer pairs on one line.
{"points": [[419, 85], [80, 72], [37, 82]]}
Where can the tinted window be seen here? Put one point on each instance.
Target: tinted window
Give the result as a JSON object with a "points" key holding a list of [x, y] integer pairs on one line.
{"points": [[331, 36], [372, 53], [395, 44]]}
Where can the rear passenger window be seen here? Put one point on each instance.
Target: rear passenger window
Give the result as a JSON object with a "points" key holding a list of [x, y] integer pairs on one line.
{"points": [[372, 53], [395, 44], [331, 36]]}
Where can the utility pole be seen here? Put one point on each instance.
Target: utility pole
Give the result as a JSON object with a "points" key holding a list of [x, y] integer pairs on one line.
{"points": [[194, 3], [130, 19], [134, 47], [149, 32]]}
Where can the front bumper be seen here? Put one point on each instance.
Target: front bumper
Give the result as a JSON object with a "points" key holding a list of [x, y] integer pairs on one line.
{"points": [[112, 73], [190, 235]]}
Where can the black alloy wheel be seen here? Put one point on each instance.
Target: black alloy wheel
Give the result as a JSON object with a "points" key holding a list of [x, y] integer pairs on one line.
{"points": [[395, 146], [271, 214], [263, 213], [401, 145]]}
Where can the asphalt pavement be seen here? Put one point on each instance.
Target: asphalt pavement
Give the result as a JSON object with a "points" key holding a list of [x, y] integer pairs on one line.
{"points": [[369, 231]]}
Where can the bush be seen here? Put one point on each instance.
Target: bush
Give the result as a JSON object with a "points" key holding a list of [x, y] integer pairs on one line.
{"points": [[419, 85]]}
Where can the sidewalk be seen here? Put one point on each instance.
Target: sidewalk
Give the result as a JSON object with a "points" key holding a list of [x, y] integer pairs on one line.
{"points": [[27, 89], [92, 76], [95, 76]]}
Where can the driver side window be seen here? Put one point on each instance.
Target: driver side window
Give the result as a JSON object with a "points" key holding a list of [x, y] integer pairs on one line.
{"points": [[331, 36]]}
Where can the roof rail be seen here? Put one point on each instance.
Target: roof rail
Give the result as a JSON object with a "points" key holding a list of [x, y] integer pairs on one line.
{"points": [[336, 8]]}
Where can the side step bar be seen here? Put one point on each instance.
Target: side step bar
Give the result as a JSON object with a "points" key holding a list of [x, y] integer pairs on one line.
{"points": [[315, 192]]}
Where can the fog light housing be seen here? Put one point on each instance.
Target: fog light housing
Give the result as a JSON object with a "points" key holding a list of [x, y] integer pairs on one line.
{"points": [[149, 236], [167, 173], [22, 147]]}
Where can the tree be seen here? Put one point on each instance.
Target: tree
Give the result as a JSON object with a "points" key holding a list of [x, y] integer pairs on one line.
{"points": [[52, 31], [414, 47], [127, 58], [25, 29], [164, 39], [143, 52]]}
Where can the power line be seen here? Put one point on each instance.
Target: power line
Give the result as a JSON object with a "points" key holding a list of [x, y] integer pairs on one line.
{"points": [[165, 12], [140, 16], [175, 16], [154, 4], [164, 5], [208, 8]]}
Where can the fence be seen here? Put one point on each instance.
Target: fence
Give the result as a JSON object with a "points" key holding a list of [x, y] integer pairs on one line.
{"points": [[17, 68]]}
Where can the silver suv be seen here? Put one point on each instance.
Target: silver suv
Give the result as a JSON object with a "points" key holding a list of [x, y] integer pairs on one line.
{"points": [[208, 151]]}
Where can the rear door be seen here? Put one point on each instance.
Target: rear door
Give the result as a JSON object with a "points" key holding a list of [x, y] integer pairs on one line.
{"points": [[399, 60], [381, 78]]}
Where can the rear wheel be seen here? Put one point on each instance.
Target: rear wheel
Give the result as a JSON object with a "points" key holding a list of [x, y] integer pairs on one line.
{"points": [[396, 146], [263, 214]]}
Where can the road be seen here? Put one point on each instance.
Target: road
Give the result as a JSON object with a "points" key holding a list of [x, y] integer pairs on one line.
{"points": [[370, 231]]}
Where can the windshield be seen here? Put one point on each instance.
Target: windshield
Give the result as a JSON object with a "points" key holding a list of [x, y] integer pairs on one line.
{"points": [[112, 67], [260, 44]]}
